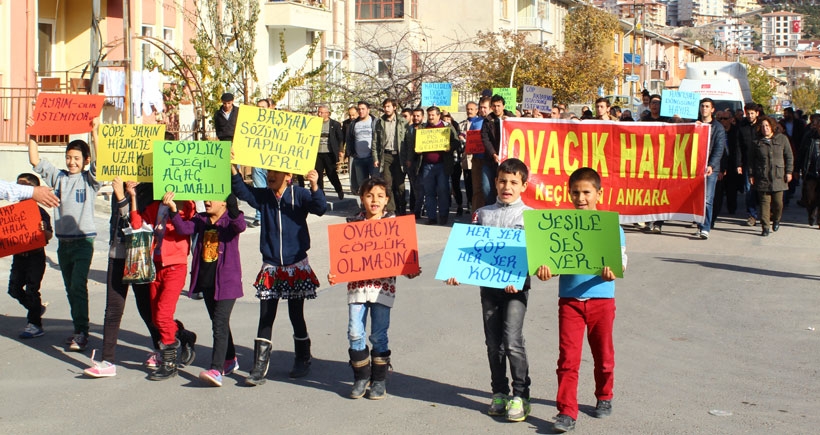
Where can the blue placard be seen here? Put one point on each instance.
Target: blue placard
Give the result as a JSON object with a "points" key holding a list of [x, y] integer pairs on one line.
{"points": [[485, 256], [436, 94], [683, 104]]}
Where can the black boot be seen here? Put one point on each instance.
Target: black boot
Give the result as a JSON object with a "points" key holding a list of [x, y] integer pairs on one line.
{"points": [[261, 361], [381, 363], [168, 368], [187, 340], [301, 363], [360, 361]]}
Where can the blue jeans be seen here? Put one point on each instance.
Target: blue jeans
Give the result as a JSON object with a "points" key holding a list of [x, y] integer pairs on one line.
{"points": [[363, 169], [503, 315], [260, 179], [711, 180], [436, 190], [488, 172], [751, 196], [356, 334]]}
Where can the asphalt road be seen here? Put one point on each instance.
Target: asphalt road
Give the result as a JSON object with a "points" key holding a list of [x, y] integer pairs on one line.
{"points": [[725, 324]]}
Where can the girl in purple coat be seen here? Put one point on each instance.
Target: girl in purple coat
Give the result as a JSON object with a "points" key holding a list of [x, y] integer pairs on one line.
{"points": [[216, 272]]}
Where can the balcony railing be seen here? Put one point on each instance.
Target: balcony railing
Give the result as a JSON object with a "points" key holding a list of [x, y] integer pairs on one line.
{"points": [[658, 65]]}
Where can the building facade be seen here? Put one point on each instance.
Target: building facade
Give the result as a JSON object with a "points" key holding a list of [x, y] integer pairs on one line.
{"points": [[780, 32]]}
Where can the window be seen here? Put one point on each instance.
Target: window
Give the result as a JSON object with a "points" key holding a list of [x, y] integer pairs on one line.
{"points": [[504, 14], [617, 43], [334, 65], [168, 37], [385, 62], [385, 9], [415, 62], [147, 48], [45, 47]]}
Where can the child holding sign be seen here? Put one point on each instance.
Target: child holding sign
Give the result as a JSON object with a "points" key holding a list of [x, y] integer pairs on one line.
{"points": [[170, 254], [286, 273], [585, 302], [27, 270], [73, 223], [216, 272], [504, 309], [376, 296]]}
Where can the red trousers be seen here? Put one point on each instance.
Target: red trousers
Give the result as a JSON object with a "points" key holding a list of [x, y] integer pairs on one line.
{"points": [[574, 317], [165, 291]]}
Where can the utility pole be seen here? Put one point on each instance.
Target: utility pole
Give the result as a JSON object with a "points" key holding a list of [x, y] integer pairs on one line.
{"points": [[128, 114]]}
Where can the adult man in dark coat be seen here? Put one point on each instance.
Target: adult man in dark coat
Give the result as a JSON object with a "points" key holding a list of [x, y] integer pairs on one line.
{"points": [[225, 118], [329, 153]]}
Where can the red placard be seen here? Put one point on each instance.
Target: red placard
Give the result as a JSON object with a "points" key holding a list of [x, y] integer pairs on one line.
{"points": [[20, 228], [373, 249], [474, 144], [65, 113], [649, 171]]}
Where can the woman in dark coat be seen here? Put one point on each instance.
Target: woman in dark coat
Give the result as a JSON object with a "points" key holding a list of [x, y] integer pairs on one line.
{"points": [[771, 162]]}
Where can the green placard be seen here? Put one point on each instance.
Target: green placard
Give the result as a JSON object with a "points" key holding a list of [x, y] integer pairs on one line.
{"points": [[573, 242], [510, 95], [194, 170]]}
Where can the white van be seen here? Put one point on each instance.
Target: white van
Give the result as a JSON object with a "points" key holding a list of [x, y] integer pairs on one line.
{"points": [[726, 83]]}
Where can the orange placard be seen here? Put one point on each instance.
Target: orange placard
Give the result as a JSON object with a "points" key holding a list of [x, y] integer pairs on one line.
{"points": [[65, 113], [20, 229], [474, 144], [373, 249]]}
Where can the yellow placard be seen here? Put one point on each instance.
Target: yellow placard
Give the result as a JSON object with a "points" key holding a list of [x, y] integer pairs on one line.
{"points": [[453, 107], [126, 150], [275, 139], [432, 139]]}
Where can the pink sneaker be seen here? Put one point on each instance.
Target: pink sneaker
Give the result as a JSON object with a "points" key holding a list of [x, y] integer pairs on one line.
{"points": [[230, 365], [154, 360], [212, 376], [103, 369]]}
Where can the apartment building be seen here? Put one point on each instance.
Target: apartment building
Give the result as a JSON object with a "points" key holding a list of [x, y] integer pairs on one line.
{"points": [[780, 31], [734, 36]]}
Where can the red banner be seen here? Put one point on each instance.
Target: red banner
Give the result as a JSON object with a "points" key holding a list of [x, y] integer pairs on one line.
{"points": [[65, 113], [369, 249], [649, 171], [20, 229], [474, 144]]}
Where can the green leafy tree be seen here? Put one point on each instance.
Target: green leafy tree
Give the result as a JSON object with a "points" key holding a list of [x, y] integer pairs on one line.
{"points": [[806, 95], [574, 75], [762, 85]]}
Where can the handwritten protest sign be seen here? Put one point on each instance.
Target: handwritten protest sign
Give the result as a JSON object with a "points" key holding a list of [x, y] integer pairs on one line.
{"points": [[484, 256], [453, 107], [573, 242], [536, 97], [474, 144], [65, 113], [684, 104], [20, 228], [436, 94], [275, 139], [432, 139], [373, 249], [193, 170], [509, 94], [649, 171], [126, 150]]}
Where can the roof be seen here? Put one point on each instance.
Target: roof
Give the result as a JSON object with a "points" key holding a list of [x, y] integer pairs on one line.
{"points": [[782, 14]]}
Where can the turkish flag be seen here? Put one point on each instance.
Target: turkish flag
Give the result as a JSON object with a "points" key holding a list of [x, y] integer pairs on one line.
{"points": [[796, 26]]}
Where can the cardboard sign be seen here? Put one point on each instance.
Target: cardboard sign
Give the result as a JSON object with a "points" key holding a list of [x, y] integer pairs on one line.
{"points": [[432, 139], [649, 171], [275, 139], [509, 94], [20, 228], [485, 256], [474, 144], [65, 113], [684, 104], [573, 242], [373, 249], [436, 94], [126, 150], [193, 170], [536, 97], [453, 107]]}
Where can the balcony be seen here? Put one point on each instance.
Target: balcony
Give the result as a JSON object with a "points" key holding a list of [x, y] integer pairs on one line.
{"points": [[657, 65], [295, 14]]}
